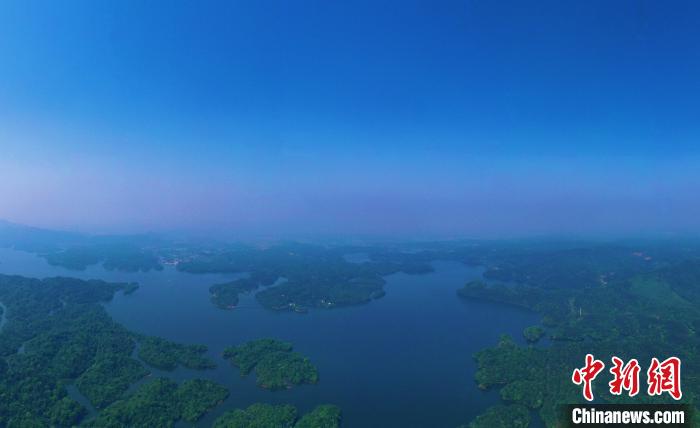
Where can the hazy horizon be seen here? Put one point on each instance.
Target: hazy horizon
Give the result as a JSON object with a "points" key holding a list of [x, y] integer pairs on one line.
{"points": [[409, 120]]}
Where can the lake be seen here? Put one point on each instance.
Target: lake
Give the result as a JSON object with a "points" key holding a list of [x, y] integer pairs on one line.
{"points": [[404, 360]]}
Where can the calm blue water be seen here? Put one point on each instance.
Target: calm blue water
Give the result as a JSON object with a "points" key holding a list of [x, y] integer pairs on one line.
{"points": [[402, 361]]}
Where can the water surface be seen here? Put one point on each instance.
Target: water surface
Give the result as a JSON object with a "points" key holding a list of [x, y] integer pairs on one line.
{"points": [[402, 361]]}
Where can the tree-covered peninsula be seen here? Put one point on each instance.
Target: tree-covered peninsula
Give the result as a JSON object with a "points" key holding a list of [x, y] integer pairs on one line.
{"points": [[315, 276], [323, 416], [225, 296], [58, 334], [276, 365]]}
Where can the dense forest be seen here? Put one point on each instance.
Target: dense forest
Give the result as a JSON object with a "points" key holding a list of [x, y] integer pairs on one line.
{"points": [[314, 276], [113, 256], [57, 334], [276, 365], [280, 416], [613, 302], [161, 403]]}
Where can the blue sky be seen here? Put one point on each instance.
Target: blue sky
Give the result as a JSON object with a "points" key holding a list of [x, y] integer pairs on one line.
{"points": [[406, 118]]}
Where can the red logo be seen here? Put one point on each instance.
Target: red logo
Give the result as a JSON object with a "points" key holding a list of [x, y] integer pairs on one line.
{"points": [[625, 377], [661, 377], [665, 377], [587, 374]]}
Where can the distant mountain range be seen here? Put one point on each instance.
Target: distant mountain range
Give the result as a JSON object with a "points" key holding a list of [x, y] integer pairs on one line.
{"points": [[35, 239]]}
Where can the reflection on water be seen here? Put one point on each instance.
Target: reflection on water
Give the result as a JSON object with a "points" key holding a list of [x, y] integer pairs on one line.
{"points": [[404, 360]]}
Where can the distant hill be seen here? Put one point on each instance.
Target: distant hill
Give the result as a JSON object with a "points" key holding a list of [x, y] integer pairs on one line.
{"points": [[35, 239], [78, 251]]}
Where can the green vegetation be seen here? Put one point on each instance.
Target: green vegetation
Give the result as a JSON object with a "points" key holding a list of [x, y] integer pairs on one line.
{"points": [[2, 316], [76, 258], [569, 267], [197, 396], [68, 338], [633, 300], [113, 256], [276, 365], [324, 416], [284, 369], [108, 378], [533, 333], [259, 415], [161, 403], [152, 405], [225, 296], [321, 293], [64, 331], [317, 277], [166, 355], [640, 308], [513, 416], [262, 415], [524, 392], [248, 355]]}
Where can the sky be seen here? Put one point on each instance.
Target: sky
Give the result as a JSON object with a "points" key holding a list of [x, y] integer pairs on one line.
{"points": [[366, 118]]}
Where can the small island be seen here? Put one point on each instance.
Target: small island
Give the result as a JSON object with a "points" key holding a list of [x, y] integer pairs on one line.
{"points": [[323, 293], [276, 365], [533, 333]]}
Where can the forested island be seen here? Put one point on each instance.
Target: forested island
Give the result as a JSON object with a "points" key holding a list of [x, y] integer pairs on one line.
{"points": [[533, 333], [276, 365], [315, 277]]}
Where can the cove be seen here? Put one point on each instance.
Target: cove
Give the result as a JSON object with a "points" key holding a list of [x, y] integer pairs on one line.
{"points": [[404, 360]]}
